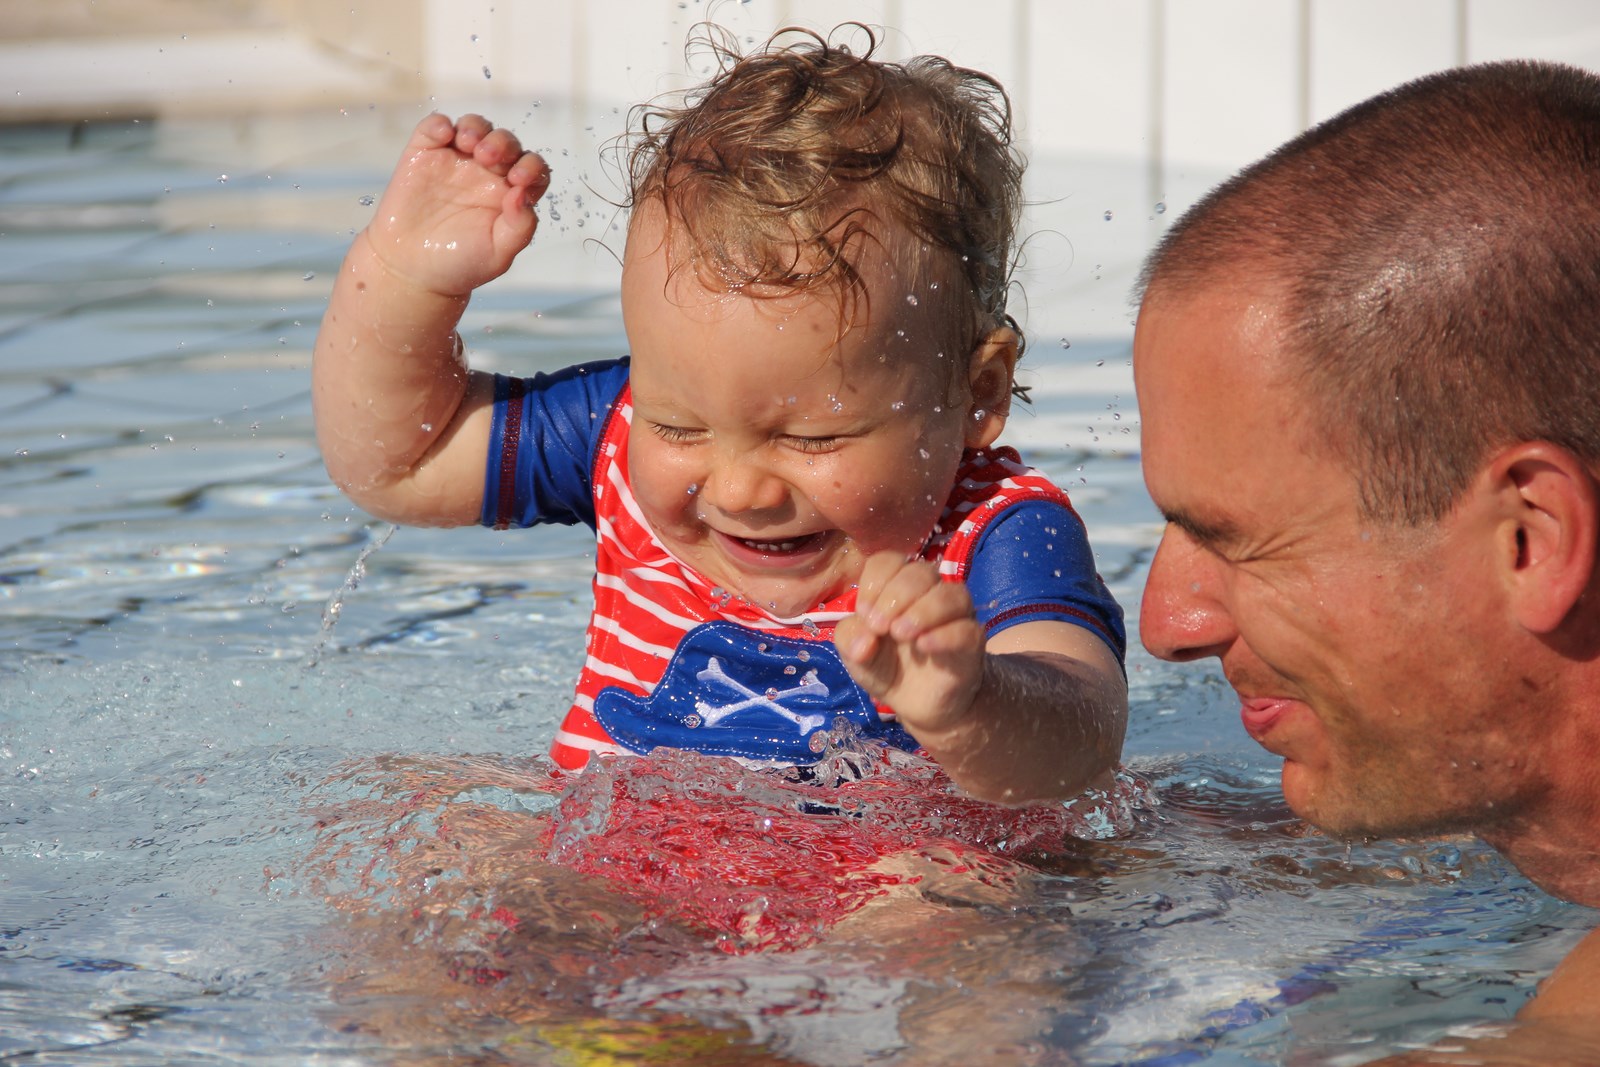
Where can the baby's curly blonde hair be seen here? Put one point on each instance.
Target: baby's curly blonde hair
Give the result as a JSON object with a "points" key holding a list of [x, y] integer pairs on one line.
{"points": [[776, 168]]}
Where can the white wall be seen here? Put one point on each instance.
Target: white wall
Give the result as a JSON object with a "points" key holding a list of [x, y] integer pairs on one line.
{"points": [[1210, 83]]}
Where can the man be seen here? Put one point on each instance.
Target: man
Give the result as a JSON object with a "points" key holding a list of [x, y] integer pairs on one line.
{"points": [[1368, 371]]}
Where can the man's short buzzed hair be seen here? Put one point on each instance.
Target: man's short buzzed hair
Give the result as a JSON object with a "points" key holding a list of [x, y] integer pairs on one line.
{"points": [[1438, 249]]}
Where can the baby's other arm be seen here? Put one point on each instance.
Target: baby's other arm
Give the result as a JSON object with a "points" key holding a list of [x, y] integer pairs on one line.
{"points": [[402, 422], [1037, 712]]}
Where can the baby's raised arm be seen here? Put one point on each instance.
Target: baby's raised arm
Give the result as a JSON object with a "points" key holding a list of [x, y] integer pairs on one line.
{"points": [[402, 422]]}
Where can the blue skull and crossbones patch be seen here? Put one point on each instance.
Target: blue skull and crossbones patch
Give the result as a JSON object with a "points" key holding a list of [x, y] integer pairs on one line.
{"points": [[732, 691]]}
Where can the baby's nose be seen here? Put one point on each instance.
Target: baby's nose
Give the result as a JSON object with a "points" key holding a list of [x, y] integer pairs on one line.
{"points": [[739, 484]]}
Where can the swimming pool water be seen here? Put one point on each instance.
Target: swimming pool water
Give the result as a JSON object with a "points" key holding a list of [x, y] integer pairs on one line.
{"points": [[224, 821]]}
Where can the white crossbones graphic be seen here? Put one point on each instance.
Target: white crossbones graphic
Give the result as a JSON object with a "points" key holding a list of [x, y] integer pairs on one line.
{"points": [[809, 686]]}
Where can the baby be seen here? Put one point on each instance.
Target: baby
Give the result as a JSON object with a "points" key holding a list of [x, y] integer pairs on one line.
{"points": [[802, 517]]}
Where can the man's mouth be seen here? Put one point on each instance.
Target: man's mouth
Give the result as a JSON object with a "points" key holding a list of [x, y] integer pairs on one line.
{"points": [[1261, 714]]}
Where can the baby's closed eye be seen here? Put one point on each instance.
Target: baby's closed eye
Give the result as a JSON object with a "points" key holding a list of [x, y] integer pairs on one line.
{"points": [[818, 443], [678, 434]]}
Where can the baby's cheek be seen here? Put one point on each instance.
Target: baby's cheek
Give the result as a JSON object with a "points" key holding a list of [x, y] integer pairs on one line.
{"points": [[662, 491], [893, 517]]}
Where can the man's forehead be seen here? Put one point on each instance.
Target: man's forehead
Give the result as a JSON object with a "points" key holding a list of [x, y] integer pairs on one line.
{"points": [[1217, 393], [1251, 307], [1228, 348]]}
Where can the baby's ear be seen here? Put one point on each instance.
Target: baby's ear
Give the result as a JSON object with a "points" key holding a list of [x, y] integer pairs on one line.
{"points": [[991, 371]]}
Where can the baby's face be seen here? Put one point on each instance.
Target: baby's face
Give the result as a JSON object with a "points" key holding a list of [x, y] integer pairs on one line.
{"points": [[774, 448]]}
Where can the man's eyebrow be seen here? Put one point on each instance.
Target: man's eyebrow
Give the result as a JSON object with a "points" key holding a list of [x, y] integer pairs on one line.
{"points": [[1208, 532]]}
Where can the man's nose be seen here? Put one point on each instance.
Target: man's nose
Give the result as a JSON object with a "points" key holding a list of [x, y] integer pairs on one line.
{"points": [[739, 483], [1182, 616]]}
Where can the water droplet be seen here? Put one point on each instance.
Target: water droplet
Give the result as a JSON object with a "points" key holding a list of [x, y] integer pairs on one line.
{"points": [[979, 415], [368, 200], [911, 298], [805, 656], [474, 38], [222, 179], [427, 427], [1161, 207], [308, 275], [923, 452], [897, 405], [487, 75], [694, 487], [1065, 343], [789, 669], [1108, 214]]}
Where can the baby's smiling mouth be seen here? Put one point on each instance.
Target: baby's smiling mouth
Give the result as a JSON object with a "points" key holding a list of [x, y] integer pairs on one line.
{"points": [[774, 548], [771, 551]]}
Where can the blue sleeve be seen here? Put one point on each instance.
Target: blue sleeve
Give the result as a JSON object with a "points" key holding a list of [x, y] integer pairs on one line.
{"points": [[1032, 563], [542, 443]]}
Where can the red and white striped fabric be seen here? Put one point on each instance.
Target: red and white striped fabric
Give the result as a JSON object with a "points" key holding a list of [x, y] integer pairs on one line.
{"points": [[645, 600]]}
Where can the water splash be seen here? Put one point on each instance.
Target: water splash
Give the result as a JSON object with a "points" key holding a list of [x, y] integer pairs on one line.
{"points": [[335, 605], [760, 859], [734, 858]]}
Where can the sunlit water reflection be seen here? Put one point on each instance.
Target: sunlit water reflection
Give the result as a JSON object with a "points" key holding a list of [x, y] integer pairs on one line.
{"points": [[231, 834]]}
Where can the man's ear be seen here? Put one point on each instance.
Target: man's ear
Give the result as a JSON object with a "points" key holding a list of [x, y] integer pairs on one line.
{"points": [[1547, 530], [991, 371]]}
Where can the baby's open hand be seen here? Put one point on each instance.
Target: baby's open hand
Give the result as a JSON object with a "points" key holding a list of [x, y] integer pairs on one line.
{"points": [[459, 206], [914, 642]]}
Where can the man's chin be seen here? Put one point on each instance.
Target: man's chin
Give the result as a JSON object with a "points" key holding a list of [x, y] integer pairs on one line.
{"points": [[1309, 799], [1346, 811]]}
